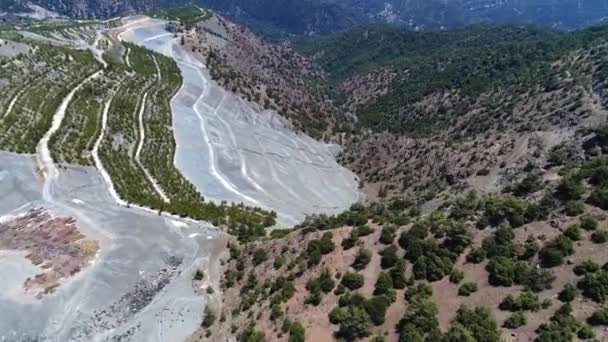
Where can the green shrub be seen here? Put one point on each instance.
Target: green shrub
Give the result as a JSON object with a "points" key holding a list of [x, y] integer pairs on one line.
{"points": [[599, 198], [252, 335], [526, 301], [595, 286], [297, 332], [587, 266], [279, 261], [599, 317], [585, 333], [599, 236], [561, 328], [398, 275], [337, 315], [570, 189], [363, 258], [476, 255], [350, 241], [573, 233], [209, 318], [574, 208], [275, 312], [352, 281], [479, 324], [355, 323], [317, 248], [387, 235], [420, 320], [532, 183], [456, 276], [502, 271], [467, 289], [364, 230], [516, 320], [376, 308], [389, 257], [568, 293], [259, 256], [553, 253], [384, 286], [589, 222]]}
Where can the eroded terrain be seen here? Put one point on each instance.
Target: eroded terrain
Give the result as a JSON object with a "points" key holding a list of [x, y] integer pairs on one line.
{"points": [[234, 151], [136, 285]]}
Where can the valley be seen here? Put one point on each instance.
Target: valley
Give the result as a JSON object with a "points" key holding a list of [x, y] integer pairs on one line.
{"points": [[176, 176], [95, 130]]}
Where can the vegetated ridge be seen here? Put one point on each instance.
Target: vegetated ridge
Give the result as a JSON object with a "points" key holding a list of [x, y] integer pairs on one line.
{"points": [[482, 151]]}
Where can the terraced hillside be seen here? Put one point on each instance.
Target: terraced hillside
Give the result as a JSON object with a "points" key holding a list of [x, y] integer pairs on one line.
{"points": [[123, 115], [37, 81]]}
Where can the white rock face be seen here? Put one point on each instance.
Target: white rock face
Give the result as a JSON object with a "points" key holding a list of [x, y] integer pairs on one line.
{"points": [[138, 288], [232, 150]]}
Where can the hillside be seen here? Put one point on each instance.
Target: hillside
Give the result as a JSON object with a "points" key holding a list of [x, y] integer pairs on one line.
{"points": [[280, 18], [524, 266]]}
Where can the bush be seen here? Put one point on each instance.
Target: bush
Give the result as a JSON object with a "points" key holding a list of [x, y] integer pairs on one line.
{"points": [[467, 289], [599, 236], [209, 317], [354, 324], [397, 274], [376, 308], [251, 335], [476, 255], [363, 258], [499, 209], [595, 286], [419, 290], [352, 281], [384, 286], [419, 322], [516, 320], [389, 257], [337, 315], [573, 233], [599, 198], [387, 235], [502, 271], [570, 188], [296, 332], [323, 284], [553, 253], [589, 222], [574, 208], [275, 312], [599, 317], [532, 183], [526, 301], [585, 333], [363, 231], [279, 261], [568, 293], [587, 266], [456, 276], [500, 244], [479, 324], [350, 241], [259, 256], [317, 248], [562, 326]]}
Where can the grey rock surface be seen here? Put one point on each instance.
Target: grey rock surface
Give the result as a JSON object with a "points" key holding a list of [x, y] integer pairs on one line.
{"points": [[233, 150], [138, 287]]}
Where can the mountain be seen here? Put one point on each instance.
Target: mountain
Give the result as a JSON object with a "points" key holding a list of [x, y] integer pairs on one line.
{"points": [[282, 17]]}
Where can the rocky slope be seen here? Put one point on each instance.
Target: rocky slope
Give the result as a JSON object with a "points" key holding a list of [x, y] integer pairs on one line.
{"points": [[313, 16]]}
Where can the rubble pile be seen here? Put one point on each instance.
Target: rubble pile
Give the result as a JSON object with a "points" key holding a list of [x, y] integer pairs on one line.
{"points": [[53, 243]]}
